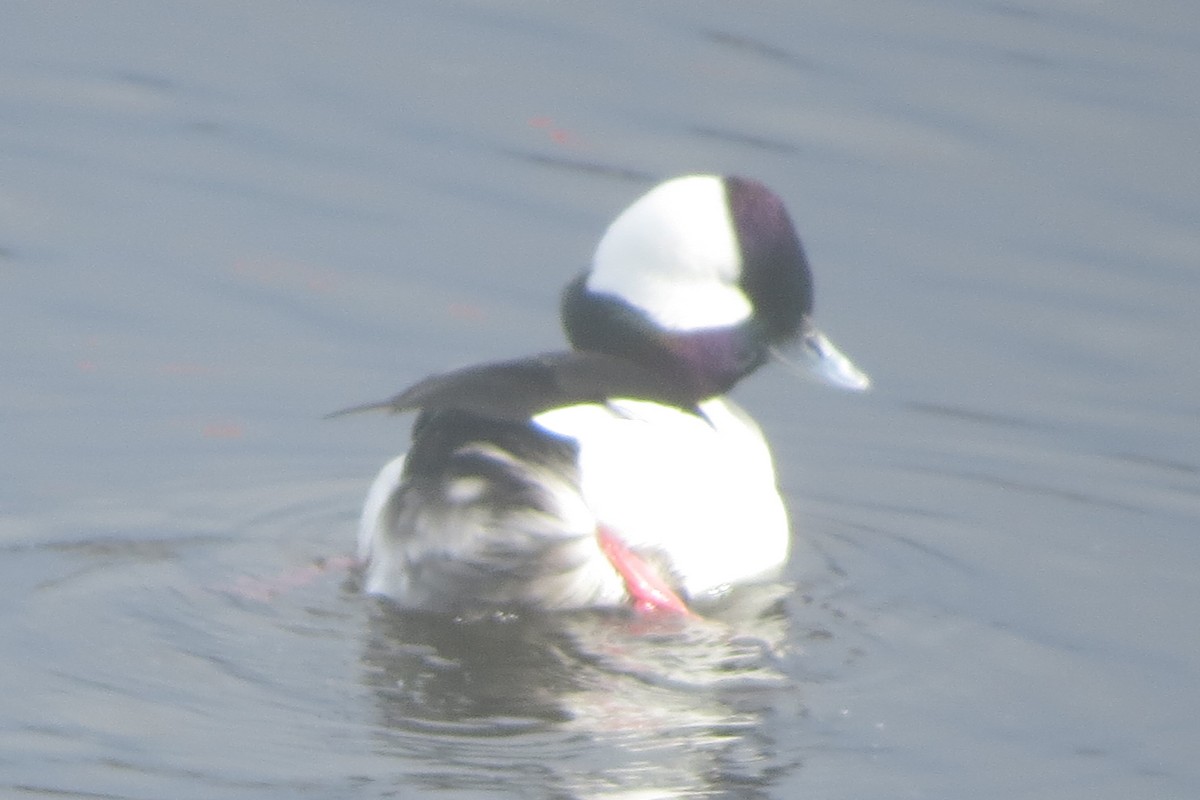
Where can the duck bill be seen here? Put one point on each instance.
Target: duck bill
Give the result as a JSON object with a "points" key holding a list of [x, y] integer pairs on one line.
{"points": [[814, 356]]}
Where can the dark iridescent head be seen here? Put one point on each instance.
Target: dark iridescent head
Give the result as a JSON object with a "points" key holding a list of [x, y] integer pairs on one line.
{"points": [[703, 277]]}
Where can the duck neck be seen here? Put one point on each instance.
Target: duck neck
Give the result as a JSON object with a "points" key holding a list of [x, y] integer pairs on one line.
{"points": [[708, 361]]}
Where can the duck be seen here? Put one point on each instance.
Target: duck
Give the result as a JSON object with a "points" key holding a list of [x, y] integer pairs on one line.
{"points": [[616, 474]]}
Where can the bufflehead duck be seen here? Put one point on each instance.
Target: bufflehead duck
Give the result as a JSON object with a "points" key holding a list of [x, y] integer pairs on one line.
{"points": [[615, 474]]}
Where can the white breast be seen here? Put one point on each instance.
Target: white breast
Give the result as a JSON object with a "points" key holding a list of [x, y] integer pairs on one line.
{"points": [[699, 490]]}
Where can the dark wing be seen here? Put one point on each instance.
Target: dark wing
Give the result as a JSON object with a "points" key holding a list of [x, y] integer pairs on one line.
{"points": [[519, 389]]}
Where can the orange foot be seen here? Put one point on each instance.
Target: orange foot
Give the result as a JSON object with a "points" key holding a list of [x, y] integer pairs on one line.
{"points": [[649, 591]]}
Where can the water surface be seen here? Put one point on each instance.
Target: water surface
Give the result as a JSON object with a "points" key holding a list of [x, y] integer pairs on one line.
{"points": [[219, 221]]}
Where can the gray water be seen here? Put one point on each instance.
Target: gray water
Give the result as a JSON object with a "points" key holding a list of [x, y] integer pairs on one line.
{"points": [[219, 221]]}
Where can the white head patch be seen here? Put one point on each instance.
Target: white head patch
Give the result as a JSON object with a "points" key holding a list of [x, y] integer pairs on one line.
{"points": [[674, 255]]}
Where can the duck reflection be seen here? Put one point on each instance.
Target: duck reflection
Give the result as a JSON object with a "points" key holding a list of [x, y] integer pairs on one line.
{"points": [[585, 705]]}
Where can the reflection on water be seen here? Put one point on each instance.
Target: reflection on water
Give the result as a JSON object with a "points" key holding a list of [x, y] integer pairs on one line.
{"points": [[589, 704]]}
